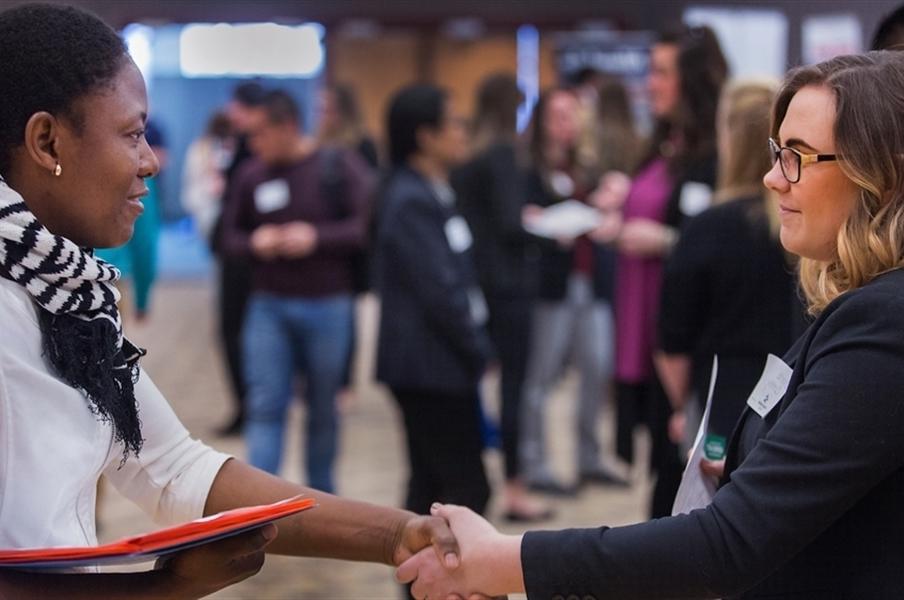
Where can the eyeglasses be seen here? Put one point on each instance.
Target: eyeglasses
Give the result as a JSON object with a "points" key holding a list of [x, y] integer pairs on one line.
{"points": [[791, 160]]}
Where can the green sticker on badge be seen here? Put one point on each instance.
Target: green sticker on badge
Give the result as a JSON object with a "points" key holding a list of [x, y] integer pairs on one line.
{"points": [[714, 447]]}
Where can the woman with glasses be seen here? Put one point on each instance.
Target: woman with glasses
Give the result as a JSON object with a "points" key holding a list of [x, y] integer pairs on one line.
{"points": [[810, 502]]}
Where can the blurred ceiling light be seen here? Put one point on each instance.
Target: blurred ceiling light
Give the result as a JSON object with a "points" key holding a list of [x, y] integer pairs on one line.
{"points": [[527, 40], [251, 49]]}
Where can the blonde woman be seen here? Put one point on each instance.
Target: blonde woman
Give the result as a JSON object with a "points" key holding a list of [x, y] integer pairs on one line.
{"points": [[728, 289], [810, 505]]}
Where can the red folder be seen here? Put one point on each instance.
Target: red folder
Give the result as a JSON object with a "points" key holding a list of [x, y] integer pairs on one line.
{"points": [[150, 546]]}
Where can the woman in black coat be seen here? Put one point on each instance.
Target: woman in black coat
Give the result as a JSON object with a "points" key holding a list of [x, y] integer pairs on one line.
{"points": [[810, 501]]}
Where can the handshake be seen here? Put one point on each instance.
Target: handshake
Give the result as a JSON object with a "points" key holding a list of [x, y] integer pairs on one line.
{"points": [[488, 565]]}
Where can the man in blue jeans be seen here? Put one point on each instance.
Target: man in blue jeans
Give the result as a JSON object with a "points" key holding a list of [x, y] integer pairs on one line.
{"points": [[300, 235]]}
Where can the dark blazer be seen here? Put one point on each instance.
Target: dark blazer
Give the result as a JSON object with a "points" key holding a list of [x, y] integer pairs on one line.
{"points": [[556, 263], [428, 339], [813, 501], [491, 195]]}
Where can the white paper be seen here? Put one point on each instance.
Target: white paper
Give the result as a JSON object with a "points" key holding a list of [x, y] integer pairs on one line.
{"points": [[771, 387], [696, 489], [567, 219]]}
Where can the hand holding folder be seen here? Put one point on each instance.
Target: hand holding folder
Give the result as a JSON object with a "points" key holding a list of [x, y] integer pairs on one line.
{"points": [[153, 545]]}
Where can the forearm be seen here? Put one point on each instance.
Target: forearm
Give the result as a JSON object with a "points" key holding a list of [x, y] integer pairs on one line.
{"points": [[336, 528], [156, 585], [674, 372]]}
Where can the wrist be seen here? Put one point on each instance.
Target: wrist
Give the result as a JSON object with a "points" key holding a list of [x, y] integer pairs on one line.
{"points": [[503, 570], [393, 554]]}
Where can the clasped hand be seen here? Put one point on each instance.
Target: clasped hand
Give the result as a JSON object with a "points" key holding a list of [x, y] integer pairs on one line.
{"points": [[489, 564], [290, 240]]}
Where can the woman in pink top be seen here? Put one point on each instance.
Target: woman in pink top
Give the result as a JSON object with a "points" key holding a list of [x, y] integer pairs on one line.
{"points": [[675, 181]]}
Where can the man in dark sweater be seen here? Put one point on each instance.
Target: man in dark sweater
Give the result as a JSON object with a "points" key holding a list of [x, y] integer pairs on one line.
{"points": [[300, 244]]}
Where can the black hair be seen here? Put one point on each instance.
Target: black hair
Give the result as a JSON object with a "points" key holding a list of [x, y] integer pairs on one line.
{"points": [[280, 107], [50, 57], [250, 94], [890, 33], [415, 106]]}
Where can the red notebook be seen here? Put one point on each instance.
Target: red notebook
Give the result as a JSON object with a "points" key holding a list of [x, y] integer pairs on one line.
{"points": [[150, 546]]}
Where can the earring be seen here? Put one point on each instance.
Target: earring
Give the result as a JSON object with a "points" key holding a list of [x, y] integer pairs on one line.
{"points": [[57, 170]]}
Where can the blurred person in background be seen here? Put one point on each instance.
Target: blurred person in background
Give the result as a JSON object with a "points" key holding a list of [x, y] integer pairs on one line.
{"points": [[674, 181], [433, 348], [491, 195], [137, 259], [341, 127], [300, 309], [889, 34], [235, 277], [728, 288], [341, 123], [204, 173], [572, 316]]}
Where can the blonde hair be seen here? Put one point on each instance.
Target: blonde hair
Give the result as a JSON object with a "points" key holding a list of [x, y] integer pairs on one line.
{"points": [[742, 126], [869, 135]]}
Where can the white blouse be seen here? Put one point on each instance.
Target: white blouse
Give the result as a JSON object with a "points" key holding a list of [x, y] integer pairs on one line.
{"points": [[53, 449]]}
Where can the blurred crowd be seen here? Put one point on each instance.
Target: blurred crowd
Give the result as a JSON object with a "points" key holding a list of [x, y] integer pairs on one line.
{"points": [[579, 245]]}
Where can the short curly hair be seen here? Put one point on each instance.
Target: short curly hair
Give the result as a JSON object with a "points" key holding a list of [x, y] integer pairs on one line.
{"points": [[50, 57]]}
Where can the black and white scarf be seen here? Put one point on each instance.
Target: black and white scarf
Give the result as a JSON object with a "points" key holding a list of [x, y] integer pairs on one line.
{"points": [[80, 323]]}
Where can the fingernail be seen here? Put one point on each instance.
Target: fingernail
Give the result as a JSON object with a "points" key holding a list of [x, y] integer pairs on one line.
{"points": [[435, 506], [269, 532], [451, 561]]}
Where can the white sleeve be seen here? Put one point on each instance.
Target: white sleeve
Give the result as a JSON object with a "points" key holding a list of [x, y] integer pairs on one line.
{"points": [[173, 473]]}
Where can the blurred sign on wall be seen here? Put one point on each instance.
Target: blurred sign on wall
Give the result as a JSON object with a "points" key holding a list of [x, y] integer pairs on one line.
{"points": [[755, 42]]}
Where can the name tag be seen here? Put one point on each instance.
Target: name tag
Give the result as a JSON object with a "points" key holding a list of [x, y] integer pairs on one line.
{"points": [[771, 387], [458, 234], [271, 195], [695, 198]]}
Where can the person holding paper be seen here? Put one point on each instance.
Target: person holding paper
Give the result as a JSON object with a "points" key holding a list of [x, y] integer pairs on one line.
{"points": [[74, 402], [572, 315], [810, 504]]}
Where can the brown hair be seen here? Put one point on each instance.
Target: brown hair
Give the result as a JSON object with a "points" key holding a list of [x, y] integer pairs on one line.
{"points": [[869, 134], [618, 141], [498, 98], [702, 71]]}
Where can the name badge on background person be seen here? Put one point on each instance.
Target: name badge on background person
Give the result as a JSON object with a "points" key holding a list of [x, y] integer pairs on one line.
{"points": [[695, 198], [458, 234], [771, 387], [271, 195]]}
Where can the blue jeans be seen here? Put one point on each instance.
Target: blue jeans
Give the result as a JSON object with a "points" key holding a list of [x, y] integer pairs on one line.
{"points": [[281, 335]]}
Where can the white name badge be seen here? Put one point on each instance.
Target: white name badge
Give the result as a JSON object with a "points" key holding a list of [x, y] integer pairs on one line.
{"points": [[271, 195], [695, 198], [458, 234], [771, 387]]}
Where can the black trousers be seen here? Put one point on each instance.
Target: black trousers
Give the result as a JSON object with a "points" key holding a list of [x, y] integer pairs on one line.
{"points": [[235, 288], [509, 329], [647, 403], [444, 449]]}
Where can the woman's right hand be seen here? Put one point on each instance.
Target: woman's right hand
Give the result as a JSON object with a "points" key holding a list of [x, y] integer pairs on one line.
{"points": [[202, 570]]}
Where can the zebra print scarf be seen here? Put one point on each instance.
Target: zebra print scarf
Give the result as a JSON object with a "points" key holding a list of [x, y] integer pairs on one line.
{"points": [[81, 329]]}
